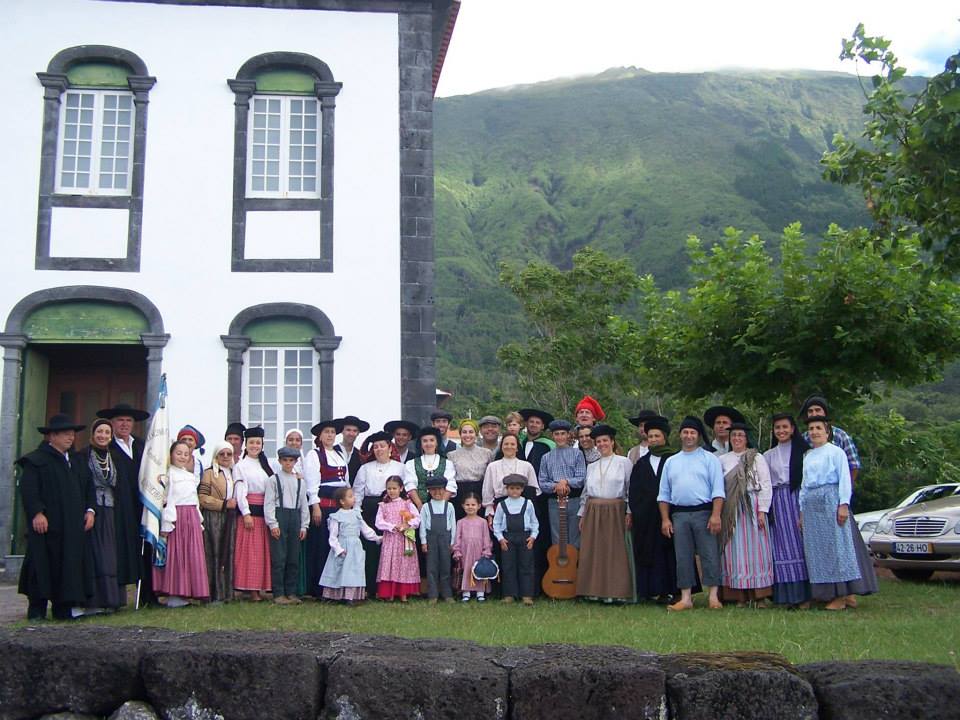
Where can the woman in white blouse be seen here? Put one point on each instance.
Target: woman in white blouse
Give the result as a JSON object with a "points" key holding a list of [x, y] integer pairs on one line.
{"points": [[604, 568], [493, 487]]}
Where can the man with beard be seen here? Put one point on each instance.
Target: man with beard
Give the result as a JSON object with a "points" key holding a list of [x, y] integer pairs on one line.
{"points": [[403, 432], [352, 427], [719, 418]]}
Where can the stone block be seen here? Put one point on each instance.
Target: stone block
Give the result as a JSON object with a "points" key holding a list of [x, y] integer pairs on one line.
{"points": [[240, 675], [78, 669], [569, 682], [134, 710], [736, 686], [884, 689], [386, 677]]}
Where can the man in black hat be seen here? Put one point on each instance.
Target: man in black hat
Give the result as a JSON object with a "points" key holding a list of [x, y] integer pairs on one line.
{"points": [[352, 426], [719, 418], [234, 435], [403, 431], [537, 444], [126, 450], [816, 406], [59, 509], [441, 420], [640, 449], [691, 502]]}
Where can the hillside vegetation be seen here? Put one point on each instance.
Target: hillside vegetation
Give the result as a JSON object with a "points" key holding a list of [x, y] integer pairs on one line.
{"points": [[629, 162]]}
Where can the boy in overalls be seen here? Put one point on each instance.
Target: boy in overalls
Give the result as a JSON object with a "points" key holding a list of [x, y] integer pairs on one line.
{"points": [[287, 515], [516, 528], [438, 528]]}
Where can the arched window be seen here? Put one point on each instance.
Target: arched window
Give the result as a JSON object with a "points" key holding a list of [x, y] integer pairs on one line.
{"points": [[283, 162], [94, 140], [280, 368]]}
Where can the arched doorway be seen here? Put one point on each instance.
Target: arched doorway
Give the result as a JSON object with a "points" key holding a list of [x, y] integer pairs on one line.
{"points": [[74, 350]]}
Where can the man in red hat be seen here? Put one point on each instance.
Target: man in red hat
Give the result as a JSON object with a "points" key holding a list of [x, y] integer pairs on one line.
{"points": [[588, 412]]}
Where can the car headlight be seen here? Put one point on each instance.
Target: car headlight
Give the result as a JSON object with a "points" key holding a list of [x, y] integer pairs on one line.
{"points": [[884, 527], [868, 527], [956, 528]]}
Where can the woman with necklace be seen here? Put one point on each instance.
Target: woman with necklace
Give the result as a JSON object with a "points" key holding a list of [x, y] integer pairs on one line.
{"points": [[746, 559], [432, 462], [471, 462], [493, 488], [605, 517], [791, 584], [369, 488], [251, 556], [113, 542], [828, 543]]}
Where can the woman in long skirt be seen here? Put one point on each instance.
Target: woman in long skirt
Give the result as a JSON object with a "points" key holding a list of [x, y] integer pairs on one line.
{"points": [[791, 583], [184, 575], [746, 558], [325, 472], [828, 541], [96, 468], [605, 569], [218, 504], [251, 556], [471, 462]]}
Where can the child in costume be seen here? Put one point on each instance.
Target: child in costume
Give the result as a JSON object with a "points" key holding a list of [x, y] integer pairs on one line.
{"points": [[399, 572], [287, 514], [343, 575], [516, 528], [438, 531], [472, 543]]}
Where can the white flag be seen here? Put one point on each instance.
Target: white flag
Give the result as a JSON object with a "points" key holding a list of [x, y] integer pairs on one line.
{"points": [[153, 477]]}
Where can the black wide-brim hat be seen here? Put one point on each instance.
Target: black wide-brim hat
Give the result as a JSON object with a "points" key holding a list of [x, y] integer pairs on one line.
{"points": [[528, 413], [234, 428], [432, 431], [392, 426], [123, 410], [657, 422], [60, 423], [336, 424], [361, 425], [254, 432], [711, 415], [642, 417]]}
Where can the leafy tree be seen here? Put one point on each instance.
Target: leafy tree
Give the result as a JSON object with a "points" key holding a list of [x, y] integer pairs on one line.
{"points": [[571, 350], [908, 160], [768, 332]]}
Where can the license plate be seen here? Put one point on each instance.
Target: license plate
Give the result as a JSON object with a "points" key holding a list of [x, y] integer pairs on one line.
{"points": [[913, 548]]}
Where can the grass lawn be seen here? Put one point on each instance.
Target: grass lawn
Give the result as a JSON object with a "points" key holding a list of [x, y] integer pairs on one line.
{"points": [[915, 621]]}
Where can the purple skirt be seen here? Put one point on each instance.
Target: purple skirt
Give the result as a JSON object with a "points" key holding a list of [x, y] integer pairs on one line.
{"points": [[185, 574]]}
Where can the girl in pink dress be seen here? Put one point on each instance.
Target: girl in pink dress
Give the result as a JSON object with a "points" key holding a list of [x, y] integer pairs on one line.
{"points": [[472, 543], [399, 573]]}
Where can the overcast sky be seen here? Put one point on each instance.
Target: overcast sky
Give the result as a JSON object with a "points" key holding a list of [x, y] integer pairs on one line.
{"points": [[507, 42]]}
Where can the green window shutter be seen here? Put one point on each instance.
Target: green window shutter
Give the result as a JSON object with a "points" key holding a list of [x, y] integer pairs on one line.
{"points": [[281, 331], [98, 75], [288, 82], [77, 322]]}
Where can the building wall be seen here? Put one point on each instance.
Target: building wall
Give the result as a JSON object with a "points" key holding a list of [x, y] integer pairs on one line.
{"points": [[186, 240]]}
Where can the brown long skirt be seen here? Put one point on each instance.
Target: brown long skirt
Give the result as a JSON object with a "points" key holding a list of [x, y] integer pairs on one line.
{"points": [[604, 569]]}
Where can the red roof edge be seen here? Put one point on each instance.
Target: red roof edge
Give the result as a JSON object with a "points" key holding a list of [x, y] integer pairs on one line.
{"points": [[445, 42]]}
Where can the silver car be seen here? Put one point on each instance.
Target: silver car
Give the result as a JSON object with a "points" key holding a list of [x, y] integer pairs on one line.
{"points": [[919, 539]]}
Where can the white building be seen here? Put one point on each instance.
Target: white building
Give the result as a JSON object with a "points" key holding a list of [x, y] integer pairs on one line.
{"points": [[265, 239]]}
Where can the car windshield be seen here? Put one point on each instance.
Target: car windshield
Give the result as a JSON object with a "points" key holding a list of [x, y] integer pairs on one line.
{"points": [[934, 493]]}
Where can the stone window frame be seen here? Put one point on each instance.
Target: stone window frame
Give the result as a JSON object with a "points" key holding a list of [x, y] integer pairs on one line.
{"points": [[244, 87], [55, 83], [237, 342]]}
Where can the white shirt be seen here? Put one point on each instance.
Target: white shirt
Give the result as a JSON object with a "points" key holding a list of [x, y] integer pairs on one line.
{"points": [[758, 479], [125, 445], [181, 490], [430, 462], [250, 479], [311, 472], [372, 478], [607, 478]]}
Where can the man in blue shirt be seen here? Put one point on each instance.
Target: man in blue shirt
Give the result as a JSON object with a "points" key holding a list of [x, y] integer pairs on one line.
{"points": [[691, 500], [562, 474]]}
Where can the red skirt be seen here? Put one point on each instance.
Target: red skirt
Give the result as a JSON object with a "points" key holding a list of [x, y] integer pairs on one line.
{"points": [[388, 589], [185, 574], [251, 560]]}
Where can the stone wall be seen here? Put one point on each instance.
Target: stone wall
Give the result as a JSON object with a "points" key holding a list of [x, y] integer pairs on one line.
{"points": [[89, 671]]}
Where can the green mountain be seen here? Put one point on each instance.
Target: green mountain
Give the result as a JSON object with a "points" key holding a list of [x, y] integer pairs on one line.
{"points": [[629, 162]]}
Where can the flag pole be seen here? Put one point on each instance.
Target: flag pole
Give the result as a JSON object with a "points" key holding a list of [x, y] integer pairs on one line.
{"points": [[161, 403]]}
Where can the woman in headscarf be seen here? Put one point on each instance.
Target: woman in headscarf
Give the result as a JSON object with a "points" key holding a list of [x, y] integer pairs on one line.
{"points": [[218, 505], [836, 571], [294, 439], [471, 462], [195, 441], [746, 559], [114, 541], [653, 554], [791, 584]]}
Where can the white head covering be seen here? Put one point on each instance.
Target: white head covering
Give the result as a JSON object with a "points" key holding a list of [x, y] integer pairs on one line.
{"points": [[290, 432], [217, 447]]}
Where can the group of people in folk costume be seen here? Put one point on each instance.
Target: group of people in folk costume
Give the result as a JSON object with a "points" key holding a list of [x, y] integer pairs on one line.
{"points": [[409, 512]]}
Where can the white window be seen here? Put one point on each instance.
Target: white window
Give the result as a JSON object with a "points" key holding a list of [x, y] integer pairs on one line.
{"points": [[280, 391], [96, 143], [283, 150]]}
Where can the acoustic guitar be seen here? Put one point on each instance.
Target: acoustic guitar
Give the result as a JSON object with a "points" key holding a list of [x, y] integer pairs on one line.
{"points": [[560, 580]]}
